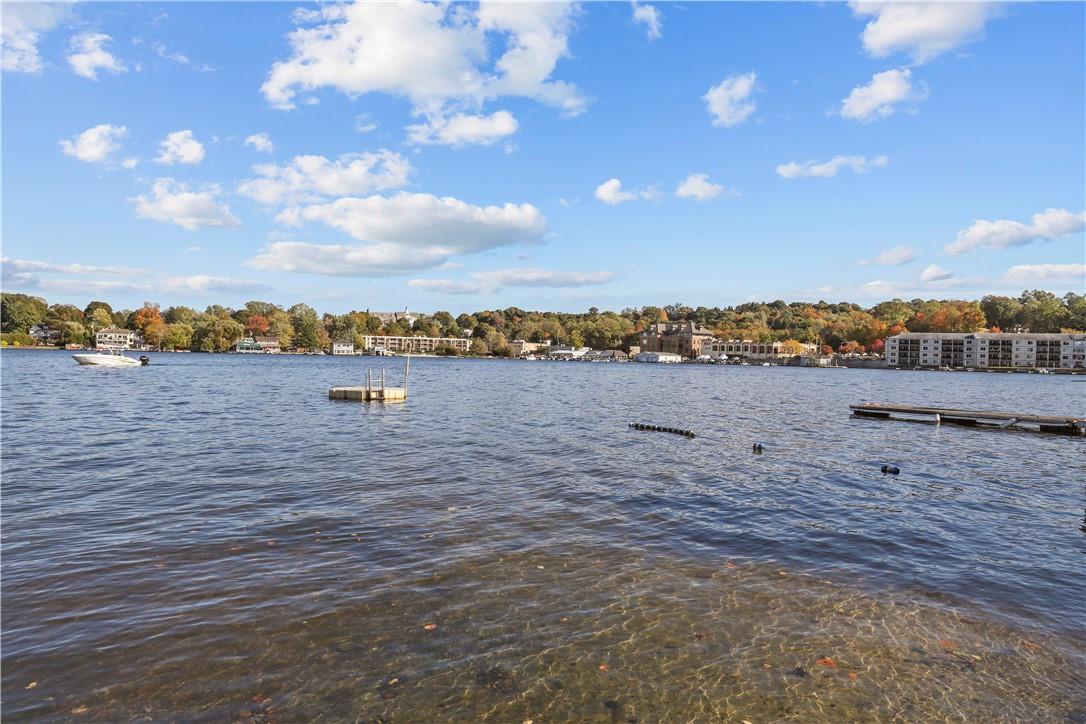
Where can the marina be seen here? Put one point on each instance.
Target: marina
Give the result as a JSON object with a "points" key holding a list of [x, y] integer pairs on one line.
{"points": [[1054, 424]]}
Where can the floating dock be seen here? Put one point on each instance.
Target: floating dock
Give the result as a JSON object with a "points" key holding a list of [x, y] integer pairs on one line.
{"points": [[374, 390], [973, 418]]}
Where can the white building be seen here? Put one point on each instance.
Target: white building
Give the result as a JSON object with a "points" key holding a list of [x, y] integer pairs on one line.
{"points": [[342, 347], [981, 350], [749, 349], [412, 345], [115, 337], [565, 351], [390, 317], [667, 357]]}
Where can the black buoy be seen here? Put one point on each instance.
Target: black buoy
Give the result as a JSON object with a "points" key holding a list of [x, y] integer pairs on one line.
{"points": [[891, 469], [759, 448], [145, 360]]}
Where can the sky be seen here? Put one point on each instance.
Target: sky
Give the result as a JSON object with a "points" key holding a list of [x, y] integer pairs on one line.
{"points": [[545, 156]]}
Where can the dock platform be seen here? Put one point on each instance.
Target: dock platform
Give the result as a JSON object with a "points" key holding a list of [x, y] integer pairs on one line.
{"points": [[973, 418], [375, 389]]}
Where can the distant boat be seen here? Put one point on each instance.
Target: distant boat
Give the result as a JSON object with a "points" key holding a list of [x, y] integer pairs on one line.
{"points": [[109, 357]]}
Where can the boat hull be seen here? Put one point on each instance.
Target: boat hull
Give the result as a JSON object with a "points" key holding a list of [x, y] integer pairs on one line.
{"points": [[105, 360]]}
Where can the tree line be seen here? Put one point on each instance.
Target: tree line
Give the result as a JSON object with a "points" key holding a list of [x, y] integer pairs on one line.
{"points": [[839, 326]]}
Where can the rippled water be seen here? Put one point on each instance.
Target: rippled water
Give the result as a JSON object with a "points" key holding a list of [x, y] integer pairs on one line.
{"points": [[210, 538]]}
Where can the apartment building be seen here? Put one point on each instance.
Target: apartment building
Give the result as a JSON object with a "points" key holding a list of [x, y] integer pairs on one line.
{"points": [[748, 349], [413, 345], [981, 350]]}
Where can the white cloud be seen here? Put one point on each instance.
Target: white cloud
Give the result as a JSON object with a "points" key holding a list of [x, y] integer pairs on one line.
{"points": [[311, 177], [496, 280], [180, 147], [203, 284], [130, 162], [160, 50], [1046, 225], [95, 145], [407, 232], [87, 55], [261, 142], [347, 260], [1029, 273], [463, 129], [880, 97], [21, 26], [828, 169], [364, 124], [435, 55], [925, 30], [892, 257], [649, 16], [610, 192], [729, 101], [935, 273], [697, 186], [175, 203], [44, 266]]}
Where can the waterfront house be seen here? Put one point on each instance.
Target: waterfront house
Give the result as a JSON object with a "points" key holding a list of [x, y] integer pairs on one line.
{"points": [[519, 348], [341, 346], [665, 357], [252, 344], [389, 317], [682, 338], [567, 352], [759, 351], [115, 337], [44, 334], [982, 350]]}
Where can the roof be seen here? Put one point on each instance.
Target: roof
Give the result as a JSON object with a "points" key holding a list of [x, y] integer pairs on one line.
{"points": [[114, 330], [266, 340]]}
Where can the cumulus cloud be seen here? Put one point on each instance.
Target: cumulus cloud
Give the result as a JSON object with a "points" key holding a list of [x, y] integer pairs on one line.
{"points": [[649, 16], [435, 55], [935, 273], [730, 102], [1046, 225], [180, 147], [261, 142], [698, 187], [175, 203], [87, 55], [892, 257], [925, 30], [464, 129], [828, 169], [610, 192], [312, 177], [882, 96], [21, 26], [492, 281], [1030, 273], [95, 145], [405, 233]]}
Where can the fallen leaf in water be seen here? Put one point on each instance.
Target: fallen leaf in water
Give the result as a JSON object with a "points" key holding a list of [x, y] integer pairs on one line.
{"points": [[603, 667], [781, 573], [564, 619], [729, 564], [700, 636], [32, 684], [527, 721], [430, 626], [852, 675], [1031, 646], [81, 709], [540, 567], [947, 644], [393, 682], [827, 661]]}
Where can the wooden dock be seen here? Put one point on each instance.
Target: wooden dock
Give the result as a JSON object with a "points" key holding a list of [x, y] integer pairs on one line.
{"points": [[973, 418], [374, 390]]}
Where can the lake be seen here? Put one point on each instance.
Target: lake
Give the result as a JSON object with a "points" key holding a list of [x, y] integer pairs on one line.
{"points": [[210, 538]]}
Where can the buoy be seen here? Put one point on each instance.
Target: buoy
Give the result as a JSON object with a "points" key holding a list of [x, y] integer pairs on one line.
{"points": [[759, 448], [891, 469]]}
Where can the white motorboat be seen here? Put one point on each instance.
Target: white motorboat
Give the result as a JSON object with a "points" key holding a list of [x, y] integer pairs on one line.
{"points": [[109, 357]]}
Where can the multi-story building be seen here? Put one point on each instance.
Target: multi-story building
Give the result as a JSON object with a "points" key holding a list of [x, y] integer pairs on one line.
{"points": [[749, 349], [981, 350], [519, 348], [115, 337], [342, 346], [682, 338], [389, 317], [413, 345]]}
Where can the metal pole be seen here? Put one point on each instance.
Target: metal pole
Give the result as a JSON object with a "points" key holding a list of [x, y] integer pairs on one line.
{"points": [[406, 370]]}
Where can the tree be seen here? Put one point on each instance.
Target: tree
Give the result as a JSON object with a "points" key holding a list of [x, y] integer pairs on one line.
{"points": [[88, 311], [215, 334], [478, 346], [60, 313], [792, 347], [307, 326], [20, 312], [279, 326], [147, 315], [1002, 312], [178, 336], [73, 332], [180, 315], [99, 320]]}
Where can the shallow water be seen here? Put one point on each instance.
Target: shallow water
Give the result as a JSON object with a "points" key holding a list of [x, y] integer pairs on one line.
{"points": [[211, 538]]}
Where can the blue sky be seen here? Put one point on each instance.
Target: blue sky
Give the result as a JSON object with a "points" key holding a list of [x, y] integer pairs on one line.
{"points": [[549, 156]]}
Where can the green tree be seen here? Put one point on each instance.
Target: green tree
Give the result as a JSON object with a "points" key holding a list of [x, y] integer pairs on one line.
{"points": [[279, 326], [20, 312], [73, 332], [178, 335], [1002, 312], [307, 326]]}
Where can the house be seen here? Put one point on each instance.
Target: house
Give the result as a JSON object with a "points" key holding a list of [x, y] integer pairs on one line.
{"points": [[606, 355], [682, 338], [667, 357], [519, 348], [390, 317], [115, 337], [341, 346], [252, 344], [44, 334], [565, 351]]}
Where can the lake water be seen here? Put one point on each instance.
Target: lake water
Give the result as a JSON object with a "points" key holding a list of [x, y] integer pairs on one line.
{"points": [[210, 538]]}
